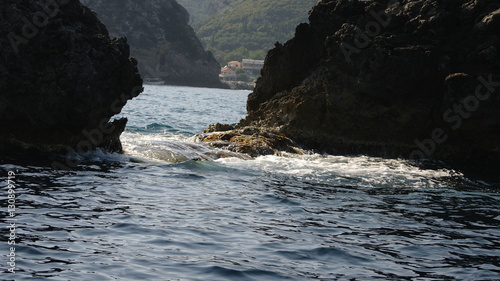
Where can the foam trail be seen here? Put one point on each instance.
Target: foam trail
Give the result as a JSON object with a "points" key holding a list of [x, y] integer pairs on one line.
{"points": [[367, 171]]}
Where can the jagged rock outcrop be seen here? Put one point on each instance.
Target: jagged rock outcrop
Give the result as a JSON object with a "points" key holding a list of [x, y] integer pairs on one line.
{"points": [[254, 141], [412, 79], [161, 40], [61, 78]]}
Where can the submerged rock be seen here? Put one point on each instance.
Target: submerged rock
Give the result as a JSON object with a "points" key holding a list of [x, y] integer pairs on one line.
{"points": [[411, 79], [61, 78]]}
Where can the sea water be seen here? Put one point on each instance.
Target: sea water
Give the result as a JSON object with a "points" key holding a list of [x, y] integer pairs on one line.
{"points": [[170, 209]]}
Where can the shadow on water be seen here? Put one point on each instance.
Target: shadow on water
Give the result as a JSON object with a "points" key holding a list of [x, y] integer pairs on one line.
{"points": [[52, 204], [52, 161], [474, 176]]}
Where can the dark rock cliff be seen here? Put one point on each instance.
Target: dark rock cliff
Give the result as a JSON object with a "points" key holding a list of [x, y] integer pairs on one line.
{"points": [[61, 78], [411, 79], [161, 40]]}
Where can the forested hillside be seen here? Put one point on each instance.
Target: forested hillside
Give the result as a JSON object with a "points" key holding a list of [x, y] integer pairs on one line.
{"points": [[201, 10], [248, 28]]}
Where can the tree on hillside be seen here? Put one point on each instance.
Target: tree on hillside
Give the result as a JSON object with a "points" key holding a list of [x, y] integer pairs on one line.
{"points": [[248, 29]]}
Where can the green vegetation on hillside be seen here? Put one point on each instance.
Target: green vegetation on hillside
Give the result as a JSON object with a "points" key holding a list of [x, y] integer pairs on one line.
{"points": [[249, 28], [201, 10]]}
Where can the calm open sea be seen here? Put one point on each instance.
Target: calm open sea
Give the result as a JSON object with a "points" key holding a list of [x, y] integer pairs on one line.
{"points": [[165, 211]]}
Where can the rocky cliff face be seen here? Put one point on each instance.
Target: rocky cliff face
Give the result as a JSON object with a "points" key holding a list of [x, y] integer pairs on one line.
{"points": [[61, 77], [161, 40], [412, 79]]}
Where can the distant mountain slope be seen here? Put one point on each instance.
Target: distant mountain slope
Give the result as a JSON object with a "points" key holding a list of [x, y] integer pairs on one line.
{"points": [[160, 39], [201, 10], [249, 28]]}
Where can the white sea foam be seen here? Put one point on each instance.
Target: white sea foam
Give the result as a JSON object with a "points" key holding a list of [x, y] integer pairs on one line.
{"points": [[359, 170], [171, 148], [367, 171], [364, 170]]}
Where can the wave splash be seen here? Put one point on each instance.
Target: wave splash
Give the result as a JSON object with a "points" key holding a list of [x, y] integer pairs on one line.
{"points": [[172, 148], [342, 170]]}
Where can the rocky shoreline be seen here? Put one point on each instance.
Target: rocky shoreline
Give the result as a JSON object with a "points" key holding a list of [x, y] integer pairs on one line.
{"points": [[409, 79]]}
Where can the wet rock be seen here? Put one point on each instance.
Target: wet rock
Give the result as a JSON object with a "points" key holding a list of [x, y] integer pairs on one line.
{"points": [[253, 141], [218, 128], [492, 21], [61, 78]]}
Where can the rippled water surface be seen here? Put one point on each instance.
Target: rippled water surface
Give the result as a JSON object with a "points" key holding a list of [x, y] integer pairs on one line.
{"points": [[168, 209]]}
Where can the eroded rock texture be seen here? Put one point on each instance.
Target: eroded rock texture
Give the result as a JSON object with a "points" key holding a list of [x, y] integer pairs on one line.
{"points": [[61, 77], [411, 79]]}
